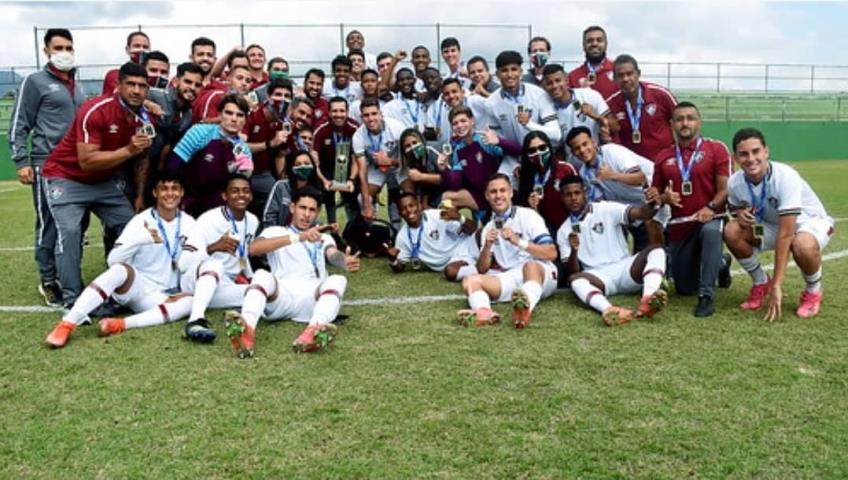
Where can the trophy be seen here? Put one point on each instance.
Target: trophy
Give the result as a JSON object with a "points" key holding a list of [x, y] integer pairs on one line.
{"points": [[340, 172]]}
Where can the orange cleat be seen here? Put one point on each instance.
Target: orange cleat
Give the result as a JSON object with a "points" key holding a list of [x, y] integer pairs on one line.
{"points": [[58, 338], [242, 336], [614, 316], [315, 337], [477, 318], [652, 304], [520, 309], [810, 304], [111, 326], [756, 297]]}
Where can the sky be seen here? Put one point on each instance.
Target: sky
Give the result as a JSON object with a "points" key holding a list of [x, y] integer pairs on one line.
{"points": [[728, 32]]}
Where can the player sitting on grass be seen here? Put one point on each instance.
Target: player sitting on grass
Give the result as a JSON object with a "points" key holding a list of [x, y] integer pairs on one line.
{"points": [[142, 270], [298, 286], [776, 210], [441, 239], [516, 260], [593, 248]]}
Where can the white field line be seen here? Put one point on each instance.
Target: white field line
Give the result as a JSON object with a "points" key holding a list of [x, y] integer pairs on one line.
{"points": [[391, 301], [7, 190]]}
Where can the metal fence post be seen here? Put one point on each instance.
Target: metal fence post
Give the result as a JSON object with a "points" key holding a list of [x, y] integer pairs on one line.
{"points": [[438, 45], [718, 77], [241, 33], [727, 109], [783, 109], [812, 78], [341, 39], [767, 78], [35, 44], [668, 75], [529, 33], [838, 107]]}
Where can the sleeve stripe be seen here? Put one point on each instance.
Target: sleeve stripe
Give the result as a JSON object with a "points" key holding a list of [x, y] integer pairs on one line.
{"points": [[549, 118], [13, 129], [789, 211], [543, 239], [85, 138]]}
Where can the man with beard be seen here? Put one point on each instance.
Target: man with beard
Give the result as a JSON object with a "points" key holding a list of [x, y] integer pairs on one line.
{"points": [[313, 88], [539, 49], [138, 44], [327, 138], [203, 54], [204, 109], [482, 81], [597, 72]]}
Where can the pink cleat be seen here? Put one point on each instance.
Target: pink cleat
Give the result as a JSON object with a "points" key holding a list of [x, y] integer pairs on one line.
{"points": [[756, 296], [810, 304]]}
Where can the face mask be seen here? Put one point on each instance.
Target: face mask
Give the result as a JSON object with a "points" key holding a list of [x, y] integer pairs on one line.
{"points": [[542, 158], [157, 81], [418, 151], [279, 107], [303, 171], [63, 61], [539, 59], [138, 56], [277, 74]]}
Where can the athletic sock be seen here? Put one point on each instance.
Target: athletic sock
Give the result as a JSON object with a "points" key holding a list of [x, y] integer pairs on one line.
{"points": [[96, 293], [163, 313], [204, 289], [814, 281], [754, 269], [326, 309], [654, 272], [479, 299], [534, 292], [466, 271], [590, 295], [253, 306]]}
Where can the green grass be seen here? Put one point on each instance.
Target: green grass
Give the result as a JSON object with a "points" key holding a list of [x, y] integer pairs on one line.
{"points": [[405, 393]]}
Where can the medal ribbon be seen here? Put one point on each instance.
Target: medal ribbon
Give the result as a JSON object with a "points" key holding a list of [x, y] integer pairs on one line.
{"points": [[686, 173], [635, 117]]}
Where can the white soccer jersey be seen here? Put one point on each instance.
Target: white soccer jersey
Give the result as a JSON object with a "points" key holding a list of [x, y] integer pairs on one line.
{"points": [[570, 117], [622, 160], [298, 261], [529, 225], [410, 112], [786, 194], [602, 240], [388, 140], [438, 116], [153, 260], [503, 108], [210, 227], [437, 240], [352, 92]]}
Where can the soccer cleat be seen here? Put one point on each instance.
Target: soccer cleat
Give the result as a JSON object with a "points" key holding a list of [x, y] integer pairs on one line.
{"points": [[111, 326], [199, 330], [520, 309], [58, 338], [477, 318], [52, 293], [810, 304], [614, 316], [315, 337], [242, 336], [724, 278], [108, 309], [756, 296], [652, 304]]}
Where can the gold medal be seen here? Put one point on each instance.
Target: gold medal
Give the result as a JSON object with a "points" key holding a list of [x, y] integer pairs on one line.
{"points": [[499, 223], [686, 188], [759, 231], [592, 77], [575, 228], [637, 136], [243, 263]]}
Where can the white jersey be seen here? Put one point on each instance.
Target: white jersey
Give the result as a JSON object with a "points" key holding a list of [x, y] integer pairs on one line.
{"points": [[529, 225], [438, 116], [786, 193], [463, 80], [135, 246], [388, 140], [570, 117], [298, 261], [352, 92], [622, 160], [436, 239], [602, 240], [210, 227], [409, 111]]}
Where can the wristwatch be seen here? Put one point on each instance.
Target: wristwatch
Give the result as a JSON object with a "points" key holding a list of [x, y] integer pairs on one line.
{"points": [[712, 206]]}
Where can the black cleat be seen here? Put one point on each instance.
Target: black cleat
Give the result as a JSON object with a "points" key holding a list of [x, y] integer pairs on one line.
{"points": [[52, 293], [724, 278], [705, 307], [199, 330]]}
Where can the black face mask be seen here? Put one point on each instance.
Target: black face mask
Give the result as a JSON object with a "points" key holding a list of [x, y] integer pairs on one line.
{"points": [[157, 81]]}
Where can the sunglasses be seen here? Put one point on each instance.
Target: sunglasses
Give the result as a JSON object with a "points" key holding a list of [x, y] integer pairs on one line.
{"points": [[539, 149]]}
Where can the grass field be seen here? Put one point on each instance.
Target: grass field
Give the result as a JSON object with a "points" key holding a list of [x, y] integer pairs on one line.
{"points": [[404, 393]]}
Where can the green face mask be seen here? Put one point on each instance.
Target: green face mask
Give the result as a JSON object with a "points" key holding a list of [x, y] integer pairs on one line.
{"points": [[276, 74], [303, 171], [545, 157], [419, 151]]}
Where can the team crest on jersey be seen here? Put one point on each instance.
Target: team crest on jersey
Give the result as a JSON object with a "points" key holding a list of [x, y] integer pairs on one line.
{"points": [[773, 202], [319, 113], [610, 75], [56, 192], [113, 128], [479, 157], [208, 157], [598, 228], [256, 128], [328, 141], [697, 156], [434, 234], [619, 115], [651, 108], [53, 87]]}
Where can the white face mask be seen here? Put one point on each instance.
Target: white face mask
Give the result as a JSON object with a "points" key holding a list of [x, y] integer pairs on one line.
{"points": [[63, 61]]}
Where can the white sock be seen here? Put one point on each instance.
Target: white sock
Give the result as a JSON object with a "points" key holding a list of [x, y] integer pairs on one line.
{"points": [[466, 271], [654, 272], [96, 293], [253, 306], [479, 299], [814, 281], [534, 292], [590, 295], [204, 289], [326, 309], [754, 269], [163, 313]]}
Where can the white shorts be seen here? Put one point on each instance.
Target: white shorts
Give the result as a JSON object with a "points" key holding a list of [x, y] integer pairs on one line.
{"points": [[820, 228], [229, 294], [616, 277], [468, 251], [143, 294], [379, 178], [514, 278], [296, 298]]}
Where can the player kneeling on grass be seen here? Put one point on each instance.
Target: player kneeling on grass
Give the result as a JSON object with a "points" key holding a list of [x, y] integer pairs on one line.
{"points": [[440, 239], [516, 260], [775, 209], [594, 250], [298, 286], [143, 271]]}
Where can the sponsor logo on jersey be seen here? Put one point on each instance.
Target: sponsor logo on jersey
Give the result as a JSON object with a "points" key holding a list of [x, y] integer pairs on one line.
{"points": [[209, 157]]}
